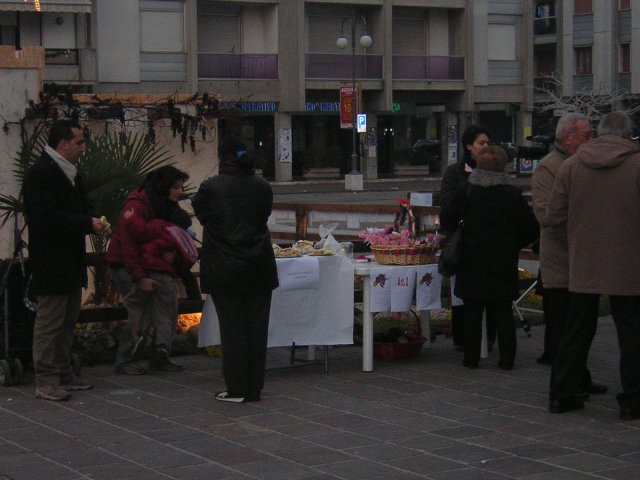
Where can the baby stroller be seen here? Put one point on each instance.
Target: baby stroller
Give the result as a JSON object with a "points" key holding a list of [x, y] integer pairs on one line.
{"points": [[17, 316]]}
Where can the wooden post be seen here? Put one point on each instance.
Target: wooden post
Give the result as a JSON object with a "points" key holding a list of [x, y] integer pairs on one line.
{"points": [[302, 221]]}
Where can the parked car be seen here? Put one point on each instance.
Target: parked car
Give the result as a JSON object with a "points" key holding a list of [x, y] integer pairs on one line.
{"points": [[430, 149]]}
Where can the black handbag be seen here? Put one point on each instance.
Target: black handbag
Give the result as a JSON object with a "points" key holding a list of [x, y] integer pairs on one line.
{"points": [[451, 253]]}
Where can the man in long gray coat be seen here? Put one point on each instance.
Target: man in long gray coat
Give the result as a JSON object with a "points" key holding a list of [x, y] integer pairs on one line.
{"points": [[597, 196], [573, 130]]}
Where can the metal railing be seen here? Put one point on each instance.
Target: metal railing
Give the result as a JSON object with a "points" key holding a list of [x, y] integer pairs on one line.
{"points": [[413, 67], [335, 66], [544, 26], [234, 65]]}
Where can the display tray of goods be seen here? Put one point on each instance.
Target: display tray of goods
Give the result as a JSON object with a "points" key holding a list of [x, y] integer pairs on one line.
{"points": [[398, 337], [299, 249], [393, 246]]}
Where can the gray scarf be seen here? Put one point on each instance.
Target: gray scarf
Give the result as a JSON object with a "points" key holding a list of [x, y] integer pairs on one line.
{"points": [[487, 178]]}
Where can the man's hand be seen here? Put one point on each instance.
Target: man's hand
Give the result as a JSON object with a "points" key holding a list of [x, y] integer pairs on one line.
{"points": [[101, 227], [147, 284]]}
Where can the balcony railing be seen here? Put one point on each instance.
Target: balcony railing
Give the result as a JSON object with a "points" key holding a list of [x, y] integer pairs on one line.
{"points": [[544, 26], [61, 56], [336, 66], [233, 65], [410, 67]]}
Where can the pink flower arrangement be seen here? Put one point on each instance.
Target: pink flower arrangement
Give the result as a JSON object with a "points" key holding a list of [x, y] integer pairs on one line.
{"points": [[387, 236]]}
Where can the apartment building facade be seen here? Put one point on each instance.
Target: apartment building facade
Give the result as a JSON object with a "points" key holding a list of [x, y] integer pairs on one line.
{"points": [[433, 67], [585, 45]]}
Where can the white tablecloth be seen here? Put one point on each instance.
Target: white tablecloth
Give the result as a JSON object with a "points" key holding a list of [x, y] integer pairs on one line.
{"points": [[318, 316]]}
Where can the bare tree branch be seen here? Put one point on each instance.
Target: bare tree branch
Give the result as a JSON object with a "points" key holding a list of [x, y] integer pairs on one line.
{"points": [[593, 103]]}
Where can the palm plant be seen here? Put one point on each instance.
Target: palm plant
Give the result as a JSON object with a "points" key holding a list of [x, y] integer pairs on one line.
{"points": [[31, 144], [112, 166]]}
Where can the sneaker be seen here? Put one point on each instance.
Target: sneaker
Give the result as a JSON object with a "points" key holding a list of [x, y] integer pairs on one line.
{"points": [[130, 368], [227, 397], [75, 384], [52, 392]]}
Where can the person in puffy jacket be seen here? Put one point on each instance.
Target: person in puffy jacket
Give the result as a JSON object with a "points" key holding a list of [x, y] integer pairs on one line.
{"points": [[237, 266], [143, 266]]}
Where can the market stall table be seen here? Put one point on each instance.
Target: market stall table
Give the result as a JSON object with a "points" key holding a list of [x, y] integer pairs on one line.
{"points": [[320, 315]]}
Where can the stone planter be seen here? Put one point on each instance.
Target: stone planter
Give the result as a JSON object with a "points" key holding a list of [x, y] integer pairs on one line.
{"points": [[411, 170], [323, 173]]}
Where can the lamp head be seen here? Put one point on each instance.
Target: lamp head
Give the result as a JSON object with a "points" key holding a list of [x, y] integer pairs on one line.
{"points": [[342, 42], [365, 40]]}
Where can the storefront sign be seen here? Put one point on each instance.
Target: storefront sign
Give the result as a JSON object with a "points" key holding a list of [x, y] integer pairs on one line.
{"points": [[252, 106], [322, 107]]}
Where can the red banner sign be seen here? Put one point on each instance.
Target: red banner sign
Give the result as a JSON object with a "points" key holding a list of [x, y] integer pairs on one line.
{"points": [[346, 107]]}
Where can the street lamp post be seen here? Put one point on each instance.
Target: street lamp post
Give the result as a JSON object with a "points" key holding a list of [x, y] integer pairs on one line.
{"points": [[342, 42]]}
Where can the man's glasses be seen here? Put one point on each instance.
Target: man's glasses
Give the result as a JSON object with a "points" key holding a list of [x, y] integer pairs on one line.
{"points": [[589, 134]]}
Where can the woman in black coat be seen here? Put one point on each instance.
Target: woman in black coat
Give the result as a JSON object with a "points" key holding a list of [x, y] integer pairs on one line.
{"points": [[237, 266], [474, 138], [498, 223]]}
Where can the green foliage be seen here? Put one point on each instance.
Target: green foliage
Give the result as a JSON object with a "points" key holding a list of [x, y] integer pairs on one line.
{"points": [[31, 144], [112, 167]]}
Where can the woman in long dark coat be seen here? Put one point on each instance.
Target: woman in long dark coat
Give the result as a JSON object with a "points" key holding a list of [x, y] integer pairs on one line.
{"points": [[498, 223], [237, 266], [473, 139]]}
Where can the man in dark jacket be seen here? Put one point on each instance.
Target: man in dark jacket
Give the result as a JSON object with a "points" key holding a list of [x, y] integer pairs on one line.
{"points": [[237, 266], [59, 217]]}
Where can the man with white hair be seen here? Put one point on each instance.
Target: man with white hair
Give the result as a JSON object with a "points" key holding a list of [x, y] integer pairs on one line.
{"points": [[572, 131], [597, 196]]}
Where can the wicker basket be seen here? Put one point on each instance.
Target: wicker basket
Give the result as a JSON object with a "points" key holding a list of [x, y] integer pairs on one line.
{"points": [[389, 351], [397, 351], [403, 255]]}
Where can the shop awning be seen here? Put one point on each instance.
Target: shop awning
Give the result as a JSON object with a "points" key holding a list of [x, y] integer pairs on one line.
{"points": [[72, 6]]}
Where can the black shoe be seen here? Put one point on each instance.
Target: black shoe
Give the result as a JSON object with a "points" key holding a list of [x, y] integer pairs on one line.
{"points": [[165, 365], [130, 368], [597, 389], [566, 405], [471, 365], [252, 398], [544, 359], [505, 365], [630, 413]]}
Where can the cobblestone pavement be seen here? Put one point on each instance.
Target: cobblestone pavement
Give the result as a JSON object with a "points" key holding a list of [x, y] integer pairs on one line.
{"points": [[427, 418]]}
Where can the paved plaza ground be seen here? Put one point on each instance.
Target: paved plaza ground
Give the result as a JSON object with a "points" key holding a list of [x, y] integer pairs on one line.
{"points": [[426, 418]]}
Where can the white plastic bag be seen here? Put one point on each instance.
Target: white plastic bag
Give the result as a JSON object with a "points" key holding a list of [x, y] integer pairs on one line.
{"points": [[327, 240]]}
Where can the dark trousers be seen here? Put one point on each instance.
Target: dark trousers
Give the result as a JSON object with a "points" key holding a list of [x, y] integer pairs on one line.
{"points": [[500, 317], [626, 316], [572, 349], [244, 328], [457, 325], [555, 303]]}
